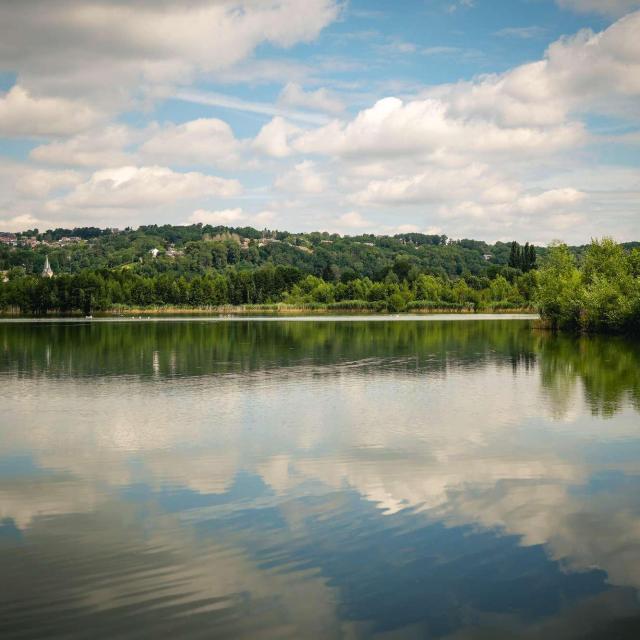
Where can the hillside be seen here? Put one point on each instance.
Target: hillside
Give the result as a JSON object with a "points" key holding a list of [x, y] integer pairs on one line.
{"points": [[211, 268], [197, 250]]}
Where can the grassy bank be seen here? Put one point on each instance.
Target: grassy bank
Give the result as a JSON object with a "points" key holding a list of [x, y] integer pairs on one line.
{"points": [[278, 309]]}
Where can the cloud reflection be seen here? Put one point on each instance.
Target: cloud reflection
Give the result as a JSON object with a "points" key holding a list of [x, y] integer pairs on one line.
{"points": [[449, 430]]}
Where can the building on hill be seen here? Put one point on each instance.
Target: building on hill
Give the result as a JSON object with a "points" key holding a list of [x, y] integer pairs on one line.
{"points": [[69, 240], [8, 238], [47, 271]]}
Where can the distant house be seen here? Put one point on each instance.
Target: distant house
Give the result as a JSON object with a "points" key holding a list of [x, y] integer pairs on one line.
{"points": [[69, 240], [47, 271], [487, 256], [172, 252], [9, 238], [154, 252], [263, 242]]}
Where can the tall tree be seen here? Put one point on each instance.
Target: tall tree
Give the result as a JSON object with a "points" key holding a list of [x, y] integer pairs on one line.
{"points": [[514, 256]]}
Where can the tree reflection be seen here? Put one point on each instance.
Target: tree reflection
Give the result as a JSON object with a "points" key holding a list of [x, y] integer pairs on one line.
{"points": [[606, 369]]}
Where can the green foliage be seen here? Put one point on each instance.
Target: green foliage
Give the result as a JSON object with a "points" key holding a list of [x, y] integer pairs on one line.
{"points": [[601, 295], [594, 288], [197, 249], [523, 258]]}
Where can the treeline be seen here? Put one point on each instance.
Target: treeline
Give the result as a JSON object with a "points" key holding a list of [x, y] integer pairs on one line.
{"points": [[594, 290], [599, 294], [198, 249], [103, 290], [94, 291]]}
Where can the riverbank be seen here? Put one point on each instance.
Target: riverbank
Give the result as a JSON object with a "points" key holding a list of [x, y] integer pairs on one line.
{"points": [[277, 310]]}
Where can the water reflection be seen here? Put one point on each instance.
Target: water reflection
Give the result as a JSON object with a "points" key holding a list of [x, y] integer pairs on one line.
{"points": [[246, 479]]}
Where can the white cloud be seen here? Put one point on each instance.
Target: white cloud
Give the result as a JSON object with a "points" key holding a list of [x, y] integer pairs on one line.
{"points": [[431, 185], [586, 72], [231, 217], [39, 183], [353, 220], [321, 99], [303, 178], [22, 114], [503, 145], [548, 200], [96, 148], [202, 141], [130, 187], [21, 222], [613, 8], [221, 217], [273, 139], [481, 150], [111, 49], [539, 216], [393, 127]]}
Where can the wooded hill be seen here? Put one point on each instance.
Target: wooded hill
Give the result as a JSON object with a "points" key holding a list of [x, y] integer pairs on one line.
{"points": [[197, 250]]}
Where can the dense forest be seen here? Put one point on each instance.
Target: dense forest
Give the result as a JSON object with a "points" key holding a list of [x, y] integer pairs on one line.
{"points": [[199, 250], [593, 288]]}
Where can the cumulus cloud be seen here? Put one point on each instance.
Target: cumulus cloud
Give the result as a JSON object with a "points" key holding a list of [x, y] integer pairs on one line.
{"points": [[549, 200], [589, 71], [97, 148], [393, 127], [130, 187], [540, 216], [202, 141], [274, 138], [23, 221], [321, 99], [501, 145], [431, 185], [469, 150], [303, 178], [110, 49], [39, 183], [231, 217], [525, 110], [352, 220], [22, 114]]}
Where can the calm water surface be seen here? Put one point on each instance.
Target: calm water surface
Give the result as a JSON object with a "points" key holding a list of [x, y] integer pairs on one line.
{"points": [[305, 479]]}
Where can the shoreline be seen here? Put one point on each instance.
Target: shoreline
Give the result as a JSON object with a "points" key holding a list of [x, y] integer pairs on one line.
{"points": [[274, 311], [309, 317]]}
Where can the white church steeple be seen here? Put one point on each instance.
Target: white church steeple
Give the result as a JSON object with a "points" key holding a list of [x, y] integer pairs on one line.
{"points": [[47, 271]]}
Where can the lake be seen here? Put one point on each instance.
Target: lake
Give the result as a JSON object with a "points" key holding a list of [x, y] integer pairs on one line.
{"points": [[317, 479]]}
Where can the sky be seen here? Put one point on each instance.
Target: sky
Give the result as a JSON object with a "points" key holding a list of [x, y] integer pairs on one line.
{"points": [[485, 119]]}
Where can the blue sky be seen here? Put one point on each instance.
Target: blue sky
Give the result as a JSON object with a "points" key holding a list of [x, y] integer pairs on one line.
{"points": [[489, 119]]}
